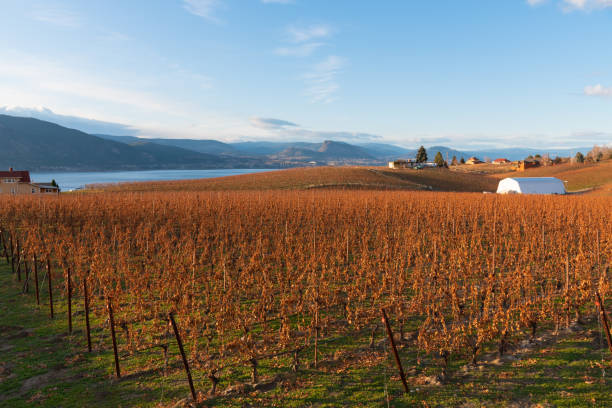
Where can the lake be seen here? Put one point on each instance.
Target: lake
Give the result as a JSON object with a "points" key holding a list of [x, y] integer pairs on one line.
{"points": [[77, 180]]}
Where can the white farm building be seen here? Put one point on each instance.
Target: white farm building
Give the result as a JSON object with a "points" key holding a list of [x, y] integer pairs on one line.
{"points": [[531, 185]]}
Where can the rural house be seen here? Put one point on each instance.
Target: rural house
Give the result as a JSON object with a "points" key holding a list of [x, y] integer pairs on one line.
{"points": [[501, 161], [18, 182], [473, 160]]}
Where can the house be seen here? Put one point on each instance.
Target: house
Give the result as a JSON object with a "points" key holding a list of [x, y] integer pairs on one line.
{"points": [[19, 182], [531, 185], [402, 164], [527, 164], [501, 161], [473, 160]]}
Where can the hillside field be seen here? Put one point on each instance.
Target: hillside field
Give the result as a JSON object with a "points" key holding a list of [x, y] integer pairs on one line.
{"points": [[314, 178]]}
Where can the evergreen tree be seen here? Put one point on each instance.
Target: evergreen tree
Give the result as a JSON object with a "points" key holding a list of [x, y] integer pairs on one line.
{"points": [[421, 156], [454, 162], [439, 160], [462, 161]]}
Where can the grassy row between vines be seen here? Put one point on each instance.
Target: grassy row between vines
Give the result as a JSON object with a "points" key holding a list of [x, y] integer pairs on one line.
{"points": [[41, 365]]}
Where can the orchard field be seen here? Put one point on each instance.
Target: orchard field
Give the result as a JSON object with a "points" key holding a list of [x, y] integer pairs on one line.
{"points": [[276, 297]]}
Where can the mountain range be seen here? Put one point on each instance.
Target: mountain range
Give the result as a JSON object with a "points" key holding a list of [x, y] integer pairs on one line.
{"points": [[39, 145]]}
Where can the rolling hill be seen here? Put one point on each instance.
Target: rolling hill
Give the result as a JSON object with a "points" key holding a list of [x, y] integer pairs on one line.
{"points": [[37, 145], [308, 178], [596, 176], [200, 146]]}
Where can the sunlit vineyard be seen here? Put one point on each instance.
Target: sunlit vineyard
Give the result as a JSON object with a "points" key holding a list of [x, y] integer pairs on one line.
{"points": [[253, 276]]}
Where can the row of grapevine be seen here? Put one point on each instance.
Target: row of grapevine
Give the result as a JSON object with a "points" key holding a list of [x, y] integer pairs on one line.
{"points": [[256, 275]]}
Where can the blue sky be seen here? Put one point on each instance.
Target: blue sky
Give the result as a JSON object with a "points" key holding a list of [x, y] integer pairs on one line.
{"points": [[466, 74]]}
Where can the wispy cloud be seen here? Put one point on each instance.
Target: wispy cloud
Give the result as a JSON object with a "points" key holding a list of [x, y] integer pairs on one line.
{"points": [[586, 4], [321, 82], [203, 8], [57, 16], [271, 123], [279, 129], [304, 41], [303, 34], [597, 90], [63, 81], [74, 122], [572, 5]]}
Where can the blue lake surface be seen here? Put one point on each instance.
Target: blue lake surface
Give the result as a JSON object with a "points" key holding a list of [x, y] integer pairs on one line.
{"points": [[77, 180]]}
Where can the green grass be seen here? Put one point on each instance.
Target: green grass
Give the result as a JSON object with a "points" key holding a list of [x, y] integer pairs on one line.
{"points": [[78, 378], [565, 373]]}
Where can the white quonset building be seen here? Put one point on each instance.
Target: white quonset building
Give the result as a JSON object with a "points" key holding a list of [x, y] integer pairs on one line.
{"points": [[531, 185]]}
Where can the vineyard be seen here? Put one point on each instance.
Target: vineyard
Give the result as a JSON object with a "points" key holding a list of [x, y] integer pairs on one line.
{"points": [[356, 178], [238, 290]]}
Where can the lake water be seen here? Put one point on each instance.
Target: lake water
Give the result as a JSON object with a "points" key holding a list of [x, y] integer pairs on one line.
{"points": [[77, 180]]}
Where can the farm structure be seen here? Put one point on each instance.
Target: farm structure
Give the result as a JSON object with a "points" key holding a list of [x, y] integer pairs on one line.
{"points": [[527, 164], [403, 164], [410, 164], [531, 185]]}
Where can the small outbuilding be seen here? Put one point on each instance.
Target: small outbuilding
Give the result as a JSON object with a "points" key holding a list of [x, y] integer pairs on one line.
{"points": [[531, 185], [527, 164], [473, 160], [402, 164]]}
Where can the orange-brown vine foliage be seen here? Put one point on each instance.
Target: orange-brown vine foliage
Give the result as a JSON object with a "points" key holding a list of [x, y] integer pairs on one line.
{"points": [[250, 274]]}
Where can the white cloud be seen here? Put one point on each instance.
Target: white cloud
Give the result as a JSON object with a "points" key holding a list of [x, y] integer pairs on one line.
{"points": [[304, 40], [74, 122], [283, 130], [321, 81], [271, 123], [77, 92], [597, 90], [57, 16], [572, 5], [305, 34], [203, 8]]}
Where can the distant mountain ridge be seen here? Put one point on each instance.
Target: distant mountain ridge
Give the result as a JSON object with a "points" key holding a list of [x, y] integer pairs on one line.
{"points": [[376, 152], [39, 145]]}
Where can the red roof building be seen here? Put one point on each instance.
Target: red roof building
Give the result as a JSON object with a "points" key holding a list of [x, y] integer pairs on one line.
{"points": [[18, 182], [22, 176], [501, 161]]}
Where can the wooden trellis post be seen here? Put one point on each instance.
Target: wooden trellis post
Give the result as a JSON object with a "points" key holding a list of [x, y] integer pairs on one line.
{"points": [[112, 327], [182, 350], [397, 358]]}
